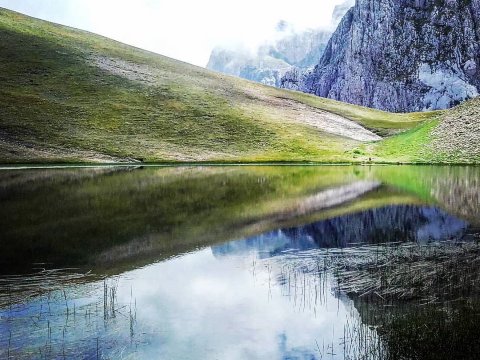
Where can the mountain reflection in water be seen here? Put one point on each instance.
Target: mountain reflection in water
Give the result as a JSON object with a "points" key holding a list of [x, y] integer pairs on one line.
{"points": [[394, 223]]}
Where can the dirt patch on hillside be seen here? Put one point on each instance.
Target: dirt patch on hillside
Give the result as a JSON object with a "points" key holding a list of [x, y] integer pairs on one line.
{"points": [[126, 69], [288, 109], [298, 112]]}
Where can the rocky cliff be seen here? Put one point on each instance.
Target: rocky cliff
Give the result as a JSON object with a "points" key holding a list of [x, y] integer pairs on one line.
{"points": [[400, 55], [270, 62]]}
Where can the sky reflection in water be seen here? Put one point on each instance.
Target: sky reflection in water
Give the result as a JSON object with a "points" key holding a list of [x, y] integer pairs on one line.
{"points": [[229, 307]]}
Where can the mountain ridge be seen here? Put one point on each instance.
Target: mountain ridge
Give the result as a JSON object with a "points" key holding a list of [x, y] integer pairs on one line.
{"points": [[402, 55], [93, 99]]}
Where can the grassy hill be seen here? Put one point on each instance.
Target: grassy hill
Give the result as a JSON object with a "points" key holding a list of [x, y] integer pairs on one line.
{"points": [[71, 96], [452, 137]]}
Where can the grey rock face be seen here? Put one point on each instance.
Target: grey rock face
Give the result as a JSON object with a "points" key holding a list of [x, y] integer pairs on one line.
{"points": [[294, 79], [293, 51], [302, 50], [400, 55]]}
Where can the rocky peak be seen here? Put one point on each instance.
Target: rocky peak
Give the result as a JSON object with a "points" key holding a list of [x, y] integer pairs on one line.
{"points": [[340, 10], [400, 55]]}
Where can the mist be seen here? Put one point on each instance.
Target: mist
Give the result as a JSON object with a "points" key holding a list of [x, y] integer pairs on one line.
{"points": [[187, 30]]}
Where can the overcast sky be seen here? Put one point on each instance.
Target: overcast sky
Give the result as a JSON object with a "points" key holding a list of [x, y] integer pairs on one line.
{"points": [[182, 29]]}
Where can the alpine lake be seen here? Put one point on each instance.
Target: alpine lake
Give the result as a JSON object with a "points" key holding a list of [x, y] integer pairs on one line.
{"points": [[240, 262]]}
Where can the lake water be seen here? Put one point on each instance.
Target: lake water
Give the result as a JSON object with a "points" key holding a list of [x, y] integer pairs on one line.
{"points": [[240, 262]]}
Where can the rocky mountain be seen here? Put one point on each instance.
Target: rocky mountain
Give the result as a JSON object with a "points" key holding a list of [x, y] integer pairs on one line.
{"points": [[271, 61], [400, 55]]}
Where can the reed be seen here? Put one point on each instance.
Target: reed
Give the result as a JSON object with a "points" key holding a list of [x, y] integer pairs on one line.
{"points": [[432, 273]]}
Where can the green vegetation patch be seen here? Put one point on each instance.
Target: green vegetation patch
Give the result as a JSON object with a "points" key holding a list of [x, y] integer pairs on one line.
{"points": [[408, 147]]}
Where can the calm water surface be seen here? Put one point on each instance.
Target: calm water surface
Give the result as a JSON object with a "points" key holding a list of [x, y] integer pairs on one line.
{"points": [[224, 262]]}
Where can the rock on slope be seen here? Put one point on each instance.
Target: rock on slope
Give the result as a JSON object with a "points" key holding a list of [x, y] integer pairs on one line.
{"points": [[400, 55], [271, 61]]}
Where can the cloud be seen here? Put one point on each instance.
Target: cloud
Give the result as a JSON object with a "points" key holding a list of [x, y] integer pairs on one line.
{"points": [[183, 29]]}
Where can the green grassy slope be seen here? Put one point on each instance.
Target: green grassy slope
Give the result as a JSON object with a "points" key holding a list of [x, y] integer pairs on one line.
{"points": [[451, 137], [68, 96]]}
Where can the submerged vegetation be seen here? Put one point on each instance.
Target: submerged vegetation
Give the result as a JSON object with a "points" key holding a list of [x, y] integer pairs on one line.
{"points": [[87, 316], [423, 301], [81, 317], [430, 332], [415, 302]]}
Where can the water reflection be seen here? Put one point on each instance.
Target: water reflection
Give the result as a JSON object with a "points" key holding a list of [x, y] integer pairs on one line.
{"points": [[157, 272], [124, 217], [190, 307], [228, 309], [396, 223], [110, 217]]}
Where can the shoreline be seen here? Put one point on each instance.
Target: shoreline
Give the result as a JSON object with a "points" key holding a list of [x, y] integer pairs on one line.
{"points": [[29, 166]]}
